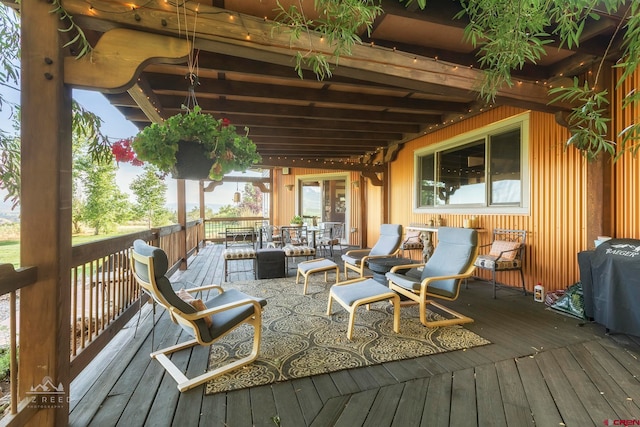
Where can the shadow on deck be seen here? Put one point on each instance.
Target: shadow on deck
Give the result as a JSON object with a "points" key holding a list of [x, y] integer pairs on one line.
{"points": [[542, 368]]}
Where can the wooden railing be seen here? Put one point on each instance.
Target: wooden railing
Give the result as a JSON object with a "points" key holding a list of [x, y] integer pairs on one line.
{"points": [[214, 228], [104, 296], [10, 282]]}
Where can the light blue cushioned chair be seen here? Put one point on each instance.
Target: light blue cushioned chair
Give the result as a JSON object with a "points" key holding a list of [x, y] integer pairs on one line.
{"points": [[388, 245], [227, 310], [441, 277]]}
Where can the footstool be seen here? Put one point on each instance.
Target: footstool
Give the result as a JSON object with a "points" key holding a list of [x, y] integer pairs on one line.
{"points": [[307, 268], [270, 263], [353, 293]]}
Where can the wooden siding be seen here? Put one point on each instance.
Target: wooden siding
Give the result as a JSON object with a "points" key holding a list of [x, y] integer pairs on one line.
{"points": [[627, 179], [556, 220]]}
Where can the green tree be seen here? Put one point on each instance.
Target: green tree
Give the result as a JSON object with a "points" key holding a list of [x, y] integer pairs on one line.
{"points": [[251, 203], [149, 190], [194, 213], [228, 211], [86, 126], [106, 205]]}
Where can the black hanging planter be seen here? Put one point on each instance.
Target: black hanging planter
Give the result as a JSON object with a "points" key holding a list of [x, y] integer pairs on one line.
{"points": [[192, 161]]}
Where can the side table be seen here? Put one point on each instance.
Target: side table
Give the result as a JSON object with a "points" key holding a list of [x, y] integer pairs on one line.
{"points": [[381, 266]]}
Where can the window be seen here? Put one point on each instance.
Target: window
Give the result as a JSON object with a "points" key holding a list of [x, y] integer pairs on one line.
{"points": [[482, 170]]}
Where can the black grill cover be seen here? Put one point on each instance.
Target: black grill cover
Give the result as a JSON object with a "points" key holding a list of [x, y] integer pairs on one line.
{"points": [[610, 278]]}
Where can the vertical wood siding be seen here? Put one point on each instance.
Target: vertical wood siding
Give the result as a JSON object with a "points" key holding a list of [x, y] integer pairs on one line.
{"points": [[627, 168], [556, 221]]}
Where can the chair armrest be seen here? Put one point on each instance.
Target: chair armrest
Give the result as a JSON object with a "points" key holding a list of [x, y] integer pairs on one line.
{"points": [[428, 280], [213, 310], [355, 252], [405, 267], [205, 288], [519, 248]]}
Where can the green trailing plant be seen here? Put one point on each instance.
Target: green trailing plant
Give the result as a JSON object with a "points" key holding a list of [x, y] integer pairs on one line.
{"points": [[297, 219], [76, 33], [230, 151], [338, 24]]}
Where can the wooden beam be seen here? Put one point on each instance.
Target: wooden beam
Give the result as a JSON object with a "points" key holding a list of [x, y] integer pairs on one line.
{"points": [[11, 280], [116, 60], [284, 161], [45, 211], [146, 100], [249, 36]]}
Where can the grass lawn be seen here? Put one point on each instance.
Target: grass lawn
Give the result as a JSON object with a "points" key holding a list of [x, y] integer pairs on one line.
{"points": [[10, 252], [10, 248]]}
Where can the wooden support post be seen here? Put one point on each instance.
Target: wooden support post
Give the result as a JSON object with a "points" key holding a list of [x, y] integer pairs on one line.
{"points": [[182, 220], [45, 229]]}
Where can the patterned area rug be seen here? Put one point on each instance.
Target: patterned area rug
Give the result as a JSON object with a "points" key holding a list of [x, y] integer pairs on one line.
{"points": [[299, 339]]}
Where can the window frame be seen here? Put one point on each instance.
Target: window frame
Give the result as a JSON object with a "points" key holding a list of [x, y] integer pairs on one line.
{"points": [[523, 208]]}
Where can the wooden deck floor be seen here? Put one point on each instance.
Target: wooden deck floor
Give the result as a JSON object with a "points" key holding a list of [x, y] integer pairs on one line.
{"points": [[542, 369]]}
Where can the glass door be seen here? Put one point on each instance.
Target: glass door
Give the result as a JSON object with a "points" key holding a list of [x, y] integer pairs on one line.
{"points": [[323, 199]]}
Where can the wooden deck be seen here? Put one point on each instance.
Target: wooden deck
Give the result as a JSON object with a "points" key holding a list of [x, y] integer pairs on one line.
{"points": [[542, 368]]}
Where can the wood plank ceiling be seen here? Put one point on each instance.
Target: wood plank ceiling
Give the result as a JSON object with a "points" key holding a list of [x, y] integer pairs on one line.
{"points": [[414, 74]]}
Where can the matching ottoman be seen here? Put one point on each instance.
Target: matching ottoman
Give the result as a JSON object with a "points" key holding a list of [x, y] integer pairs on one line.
{"points": [[270, 263], [307, 268], [354, 293]]}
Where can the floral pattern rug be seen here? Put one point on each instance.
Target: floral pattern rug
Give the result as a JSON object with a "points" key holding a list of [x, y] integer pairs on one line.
{"points": [[299, 339]]}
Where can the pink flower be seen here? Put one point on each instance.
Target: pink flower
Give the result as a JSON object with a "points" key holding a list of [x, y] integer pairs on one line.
{"points": [[123, 152]]}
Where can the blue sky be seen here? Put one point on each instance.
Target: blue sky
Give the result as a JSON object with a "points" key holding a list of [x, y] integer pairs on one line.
{"points": [[115, 126]]}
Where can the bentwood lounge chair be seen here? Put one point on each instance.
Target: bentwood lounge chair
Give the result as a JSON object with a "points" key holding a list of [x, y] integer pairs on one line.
{"points": [[388, 245], [205, 322], [441, 276]]}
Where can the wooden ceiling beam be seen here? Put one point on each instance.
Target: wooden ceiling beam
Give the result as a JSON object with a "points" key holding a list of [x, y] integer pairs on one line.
{"points": [[211, 88], [256, 35], [258, 131], [225, 106], [283, 161]]}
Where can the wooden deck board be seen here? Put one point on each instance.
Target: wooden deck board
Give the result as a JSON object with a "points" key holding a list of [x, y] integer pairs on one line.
{"points": [[308, 398], [411, 404], [325, 387], [384, 406], [356, 410], [611, 391], [597, 406], [541, 404], [464, 411], [263, 406], [284, 395], [437, 406], [571, 409], [239, 408], [541, 368], [514, 400], [490, 409]]}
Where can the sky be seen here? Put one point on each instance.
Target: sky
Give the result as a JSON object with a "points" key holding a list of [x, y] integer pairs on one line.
{"points": [[115, 126]]}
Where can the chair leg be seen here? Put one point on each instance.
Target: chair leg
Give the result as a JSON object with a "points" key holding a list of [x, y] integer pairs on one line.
{"points": [[522, 278], [493, 280], [185, 383]]}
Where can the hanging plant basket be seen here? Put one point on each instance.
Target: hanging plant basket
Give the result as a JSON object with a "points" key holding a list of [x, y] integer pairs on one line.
{"points": [[193, 161], [194, 145]]}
